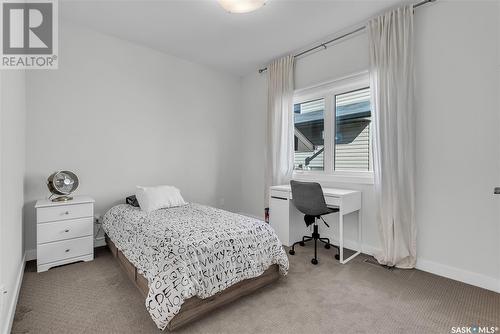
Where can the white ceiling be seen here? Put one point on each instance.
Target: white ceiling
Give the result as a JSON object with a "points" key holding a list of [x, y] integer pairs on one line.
{"points": [[201, 31]]}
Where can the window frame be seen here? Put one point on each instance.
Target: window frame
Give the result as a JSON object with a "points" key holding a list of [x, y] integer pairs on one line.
{"points": [[328, 91]]}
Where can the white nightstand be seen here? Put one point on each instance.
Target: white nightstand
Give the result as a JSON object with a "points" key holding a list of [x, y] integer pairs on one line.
{"points": [[65, 232]]}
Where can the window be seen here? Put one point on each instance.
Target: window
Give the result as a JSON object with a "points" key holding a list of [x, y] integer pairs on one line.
{"points": [[352, 131], [309, 141], [332, 128]]}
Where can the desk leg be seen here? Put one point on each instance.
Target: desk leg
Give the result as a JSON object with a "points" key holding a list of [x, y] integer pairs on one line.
{"points": [[341, 236], [359, 231], [342, 240]]}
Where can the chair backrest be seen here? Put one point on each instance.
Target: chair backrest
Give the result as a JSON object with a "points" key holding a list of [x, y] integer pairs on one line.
{"points": [[308, 198]]}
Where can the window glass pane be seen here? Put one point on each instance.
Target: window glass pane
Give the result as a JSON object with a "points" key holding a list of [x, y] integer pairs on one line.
{"points": [[352, 131], [309, 128]]}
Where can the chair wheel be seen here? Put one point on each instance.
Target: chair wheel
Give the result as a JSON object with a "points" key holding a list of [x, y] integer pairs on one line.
{"points": [[327, 246], [337, 257], [301, 243], [291, 252], [314, 261]]}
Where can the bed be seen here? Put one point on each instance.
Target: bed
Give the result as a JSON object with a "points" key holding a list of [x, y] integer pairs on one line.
{"points": [[191, 259]]}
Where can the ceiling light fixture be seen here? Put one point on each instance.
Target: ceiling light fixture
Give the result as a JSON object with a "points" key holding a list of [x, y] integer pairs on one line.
{"points": [[241, 6]]}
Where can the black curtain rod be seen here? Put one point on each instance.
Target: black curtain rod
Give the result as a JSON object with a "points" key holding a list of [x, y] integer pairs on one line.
{"points": [[325, 44]]}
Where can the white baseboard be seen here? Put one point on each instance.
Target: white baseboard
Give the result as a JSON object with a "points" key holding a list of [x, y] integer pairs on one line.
{"points": [[30, 254], [440, 269], [11, 310], [99, 242], [353, 244], [461, 275]]}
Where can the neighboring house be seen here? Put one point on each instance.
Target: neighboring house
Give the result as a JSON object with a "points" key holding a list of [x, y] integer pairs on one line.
{"points": [[352, 136]]}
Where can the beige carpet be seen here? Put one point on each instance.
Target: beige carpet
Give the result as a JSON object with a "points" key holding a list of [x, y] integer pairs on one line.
{"points": [[359, 297]]}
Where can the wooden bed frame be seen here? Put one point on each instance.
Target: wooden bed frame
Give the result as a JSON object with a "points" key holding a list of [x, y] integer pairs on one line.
{"points": [[195, 307]]}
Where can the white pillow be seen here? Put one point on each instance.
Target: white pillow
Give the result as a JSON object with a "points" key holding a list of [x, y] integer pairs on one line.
{"points": [[158, 197]]}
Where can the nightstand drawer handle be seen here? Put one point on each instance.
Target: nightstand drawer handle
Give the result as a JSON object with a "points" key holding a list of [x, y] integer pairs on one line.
{"points": [[66, 213], [67, 250], [67, 230]]}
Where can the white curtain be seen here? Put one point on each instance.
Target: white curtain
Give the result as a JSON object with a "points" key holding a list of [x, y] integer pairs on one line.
{"points": [[392, 83], [279, 164]]}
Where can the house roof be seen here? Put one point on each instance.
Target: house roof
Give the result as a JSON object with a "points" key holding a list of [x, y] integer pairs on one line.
{"points": [[346, 112]]}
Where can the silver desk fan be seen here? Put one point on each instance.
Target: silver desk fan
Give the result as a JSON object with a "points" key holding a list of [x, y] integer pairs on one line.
{"points": [[62, 183]]}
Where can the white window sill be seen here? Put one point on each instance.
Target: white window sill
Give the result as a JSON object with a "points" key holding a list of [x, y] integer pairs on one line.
{"points": [[341, 177]]}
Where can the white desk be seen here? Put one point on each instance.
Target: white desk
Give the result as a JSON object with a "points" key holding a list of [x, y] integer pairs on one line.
{"points": [[288, 222]]}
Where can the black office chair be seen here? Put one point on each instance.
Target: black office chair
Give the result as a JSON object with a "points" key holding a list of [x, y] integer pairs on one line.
{"points": [[309, 199]]}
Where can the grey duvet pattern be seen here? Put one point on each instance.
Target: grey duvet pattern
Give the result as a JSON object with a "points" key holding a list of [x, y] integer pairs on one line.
{"points": [[192, 250]]}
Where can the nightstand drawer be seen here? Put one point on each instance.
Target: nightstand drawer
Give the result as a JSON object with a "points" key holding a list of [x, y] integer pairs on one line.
{"points": [[61, 212], [61, 250], [65, 229]]}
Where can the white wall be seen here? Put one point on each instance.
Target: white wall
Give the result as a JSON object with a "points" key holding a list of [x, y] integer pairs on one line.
{"points": [[254, 106], [458, 143], [119, 115], [12, 166], [458, 146]]}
